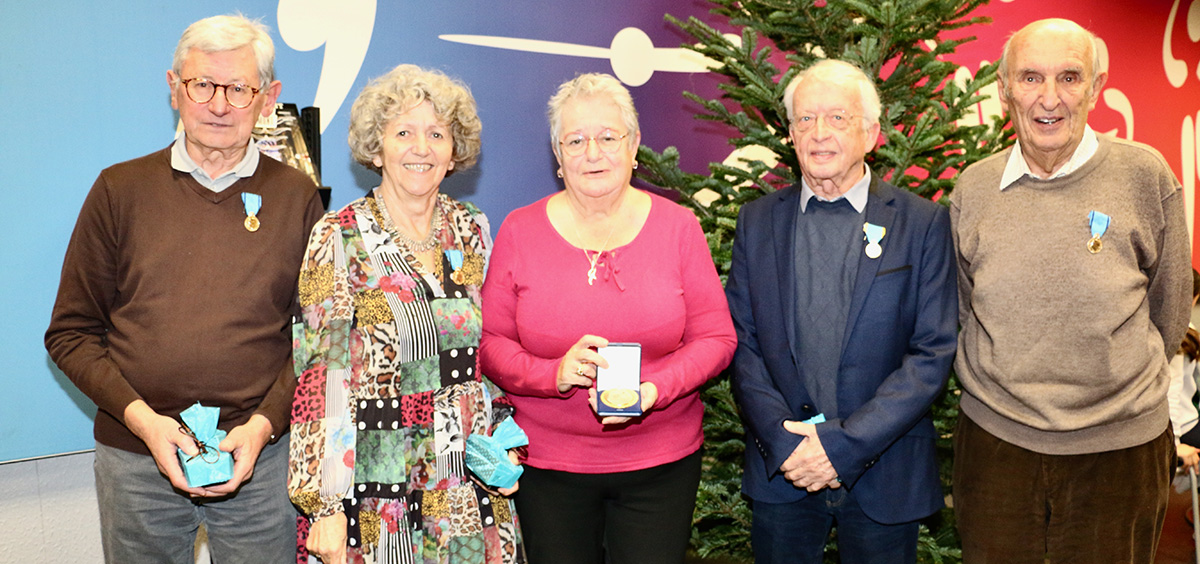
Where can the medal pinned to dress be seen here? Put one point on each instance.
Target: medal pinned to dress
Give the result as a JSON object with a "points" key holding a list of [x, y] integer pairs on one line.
{"points": [[253, 203], [456, 262], [873, 234], [1099, 224]]}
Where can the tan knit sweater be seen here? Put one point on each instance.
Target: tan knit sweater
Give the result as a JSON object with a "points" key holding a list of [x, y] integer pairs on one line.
{"points": [[1063, 351]]}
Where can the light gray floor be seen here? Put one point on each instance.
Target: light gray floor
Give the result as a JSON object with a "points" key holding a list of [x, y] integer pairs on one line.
{"points": [[48, 512]]}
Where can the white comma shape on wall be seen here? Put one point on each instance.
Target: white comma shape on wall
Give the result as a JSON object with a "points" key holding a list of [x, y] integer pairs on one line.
{"points": [[985, 109], [1119, 102], [1114, 98], [1177, 73], [344, 28], [1177, 69], [1189, 151]]}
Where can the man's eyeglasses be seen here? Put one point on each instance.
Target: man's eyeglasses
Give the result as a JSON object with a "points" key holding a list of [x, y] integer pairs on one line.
{"points": [[576, 144], [839, 120], [202, 90]]}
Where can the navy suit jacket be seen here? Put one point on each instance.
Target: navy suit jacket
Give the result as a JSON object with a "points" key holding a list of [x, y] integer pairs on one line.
{"points": [[896, 354]]}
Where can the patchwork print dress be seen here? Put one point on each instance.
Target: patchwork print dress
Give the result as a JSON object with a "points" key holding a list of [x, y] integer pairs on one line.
{"points": [[390, 389]]}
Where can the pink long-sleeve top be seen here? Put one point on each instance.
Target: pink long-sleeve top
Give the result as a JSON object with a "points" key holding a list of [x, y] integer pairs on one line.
{"points": [[661, 290]]}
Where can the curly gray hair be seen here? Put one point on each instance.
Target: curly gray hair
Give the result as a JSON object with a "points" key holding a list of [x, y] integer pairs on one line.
{"points": [[402, 89]]}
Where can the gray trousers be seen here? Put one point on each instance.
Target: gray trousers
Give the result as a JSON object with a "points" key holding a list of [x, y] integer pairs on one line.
{"points": [[144, 519]]}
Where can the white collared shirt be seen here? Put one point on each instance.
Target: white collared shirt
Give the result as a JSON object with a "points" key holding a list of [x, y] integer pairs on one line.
{"points": [[182, 161], [1017, 168], [856, 195]]}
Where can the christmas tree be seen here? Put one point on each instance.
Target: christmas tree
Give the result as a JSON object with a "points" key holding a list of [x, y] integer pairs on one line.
{"points": [[927, 141]]}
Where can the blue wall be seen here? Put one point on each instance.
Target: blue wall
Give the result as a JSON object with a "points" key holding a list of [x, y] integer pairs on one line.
{"points": [[83, 86]]}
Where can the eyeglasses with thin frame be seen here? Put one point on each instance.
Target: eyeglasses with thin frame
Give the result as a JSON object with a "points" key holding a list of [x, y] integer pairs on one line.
{"points": [[202, 90], [576, 144], [838, 119]]}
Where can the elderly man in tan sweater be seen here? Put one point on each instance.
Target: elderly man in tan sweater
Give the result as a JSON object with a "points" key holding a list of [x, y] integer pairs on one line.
{"points": [[1074, 274]]}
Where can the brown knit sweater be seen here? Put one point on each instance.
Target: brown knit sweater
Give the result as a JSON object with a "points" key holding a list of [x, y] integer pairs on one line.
{"points": [[1063, 351], [167, 297]]}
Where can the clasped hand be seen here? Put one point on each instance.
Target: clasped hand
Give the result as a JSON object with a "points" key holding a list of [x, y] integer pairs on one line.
{"points": [[808, 467], [163, 436]]}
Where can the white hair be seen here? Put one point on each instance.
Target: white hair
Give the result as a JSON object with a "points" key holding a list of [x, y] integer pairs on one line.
{"points": [[591, 85], [227, 33], [833, 70]]}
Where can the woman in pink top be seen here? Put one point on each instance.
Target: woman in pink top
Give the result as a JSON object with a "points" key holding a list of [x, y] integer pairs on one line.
{"points": [[603, 262]]}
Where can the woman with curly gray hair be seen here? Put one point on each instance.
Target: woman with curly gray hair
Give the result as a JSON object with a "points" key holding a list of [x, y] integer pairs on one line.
{"points": [[389, 389]]}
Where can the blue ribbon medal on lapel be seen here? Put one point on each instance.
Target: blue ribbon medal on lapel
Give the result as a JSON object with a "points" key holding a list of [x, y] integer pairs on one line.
{"points": [[455, 257], [1099, 223], [873, 234]]}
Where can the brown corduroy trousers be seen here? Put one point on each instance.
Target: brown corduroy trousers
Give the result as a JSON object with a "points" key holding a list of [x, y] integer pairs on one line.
{"points": [[1016, 506]]}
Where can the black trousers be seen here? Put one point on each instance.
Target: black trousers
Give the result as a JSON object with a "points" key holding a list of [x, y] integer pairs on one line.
{"points": [[637, 517]]}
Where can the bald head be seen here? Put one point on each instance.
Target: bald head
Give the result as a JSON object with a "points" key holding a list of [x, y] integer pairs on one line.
{"points": [[1050, 80], [1045, 29]]}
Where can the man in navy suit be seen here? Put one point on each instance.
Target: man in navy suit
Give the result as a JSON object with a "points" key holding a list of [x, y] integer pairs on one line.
{"points": [[843, 295]]}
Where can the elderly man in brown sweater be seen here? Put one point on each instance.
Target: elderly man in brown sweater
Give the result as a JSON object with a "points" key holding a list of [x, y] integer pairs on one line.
{"points": [[178, 287], [1074, 273]]}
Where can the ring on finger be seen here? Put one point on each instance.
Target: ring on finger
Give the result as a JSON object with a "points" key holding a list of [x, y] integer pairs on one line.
{"points": [[580, 371]]}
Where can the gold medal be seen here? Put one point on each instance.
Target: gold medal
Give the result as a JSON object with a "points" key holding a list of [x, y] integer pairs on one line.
{"points": [[252, 224], [1094, 245], [458, 277], [619, 398]]}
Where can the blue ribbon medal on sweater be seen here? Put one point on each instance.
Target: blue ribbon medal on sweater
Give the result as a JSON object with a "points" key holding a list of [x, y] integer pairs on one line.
{"points": [[1099, 223], [873, 234], [253, 203]]}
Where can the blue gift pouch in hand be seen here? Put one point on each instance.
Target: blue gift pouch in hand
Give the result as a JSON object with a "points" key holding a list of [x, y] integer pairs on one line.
{"points": [[487, 456], [210, 465]]}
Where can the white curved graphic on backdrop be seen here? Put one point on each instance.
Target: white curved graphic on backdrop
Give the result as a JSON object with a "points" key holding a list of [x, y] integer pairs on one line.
{"points": [[344, 28], [1120, 103], [633, 57], [983, 111], [738, 159], [1176, 69]]}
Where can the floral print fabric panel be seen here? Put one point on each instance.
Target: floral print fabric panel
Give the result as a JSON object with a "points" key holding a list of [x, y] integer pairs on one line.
{"points": [[390, 389]]}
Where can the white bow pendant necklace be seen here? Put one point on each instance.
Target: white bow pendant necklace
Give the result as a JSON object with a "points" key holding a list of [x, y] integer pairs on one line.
{"points": [[593, 259]]}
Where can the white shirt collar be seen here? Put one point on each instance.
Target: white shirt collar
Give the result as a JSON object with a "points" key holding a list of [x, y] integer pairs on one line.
{"points": [[182, 161], [1017, 168], [856, 195]]}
